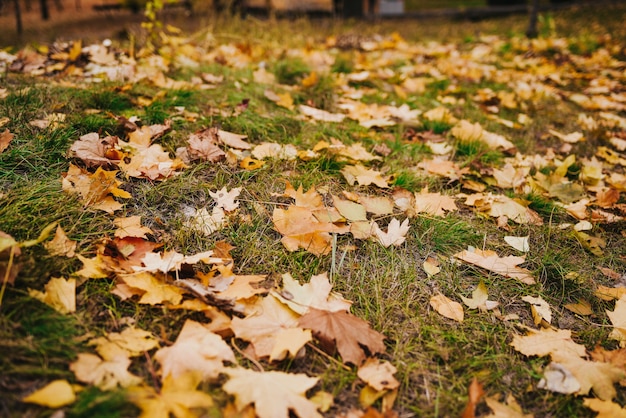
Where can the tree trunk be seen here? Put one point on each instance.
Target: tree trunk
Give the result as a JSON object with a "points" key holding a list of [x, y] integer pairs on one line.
{"points": [[45, 12], [532, 32], [18, 17]]}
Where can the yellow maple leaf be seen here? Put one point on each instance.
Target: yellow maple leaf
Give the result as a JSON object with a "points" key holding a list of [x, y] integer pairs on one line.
{"points": [[363, 176], [605, 409], [152, 287], [130, 227], [378, 374], [547, 341], [177, 397], [317, 293], [131, 342], [273, 394], [434, 204], [196, 349], [263, 326], [106, 374], [60, 294]]}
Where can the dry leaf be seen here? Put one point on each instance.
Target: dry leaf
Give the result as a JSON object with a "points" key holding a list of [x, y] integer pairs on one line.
{"points": [[511, 409], [131, 342], [317, 293], [547, 341], [273, 394], [447, 307], [618, 319], [605, 409], [475, 394], [345, 332], [130, 227], [60, 294], [505, 266], [196, 349], [177, 397], [5, 139], [540, 309], [61, 245], [105, 374], [378, 374], [395, 235], [479, 299], [54, 395], [363, 176]]}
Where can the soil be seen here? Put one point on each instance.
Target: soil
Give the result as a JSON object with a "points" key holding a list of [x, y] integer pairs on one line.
{"points": [[77, 19]]}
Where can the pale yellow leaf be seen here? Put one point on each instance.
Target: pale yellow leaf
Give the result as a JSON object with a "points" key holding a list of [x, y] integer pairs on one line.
{"points": [[273, 394], [540, 309], [196, 349], [60, 294], [378, 374]]}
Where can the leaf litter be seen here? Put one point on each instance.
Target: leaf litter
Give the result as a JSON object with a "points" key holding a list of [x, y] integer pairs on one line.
{"points": [[285, 320]]}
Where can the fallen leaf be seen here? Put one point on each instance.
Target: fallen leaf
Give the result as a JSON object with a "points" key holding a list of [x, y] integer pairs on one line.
{"points": [[274, 394], [226, 199], [547, 341], [519, 243], [152, 288], [5, 139], [479, 299], [130, 227], [317, 293], [363, 176], [475, 394], [196, 349], [378, 374], [434, 204], [505, 266], [618, 319], [131, 342], [540, 309], [54, 395], [60, 294], [605, 409], [344, 332], [510, 409], [105, 374], [582, 307], [395, 235], [177, 397], [447, 307], [61, 245], [320, 115]]}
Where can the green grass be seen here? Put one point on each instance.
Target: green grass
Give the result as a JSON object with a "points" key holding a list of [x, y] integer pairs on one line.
{"points": [[436, 357]]}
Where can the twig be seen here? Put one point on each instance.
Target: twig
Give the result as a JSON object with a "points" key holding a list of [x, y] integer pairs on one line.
{"points": [[253, 361], [334, 360], [7, 273]]}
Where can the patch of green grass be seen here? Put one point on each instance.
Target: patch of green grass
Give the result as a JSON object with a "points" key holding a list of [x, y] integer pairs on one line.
{"points": [[436, 126], [290, 70]]}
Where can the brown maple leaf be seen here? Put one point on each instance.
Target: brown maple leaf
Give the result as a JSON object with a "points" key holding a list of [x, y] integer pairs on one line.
{"points": [[203, 146], [345, 332], [95, 151]]}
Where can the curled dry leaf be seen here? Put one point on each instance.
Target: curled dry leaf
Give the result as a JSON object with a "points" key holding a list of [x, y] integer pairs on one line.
{"points": [[504, 266]]}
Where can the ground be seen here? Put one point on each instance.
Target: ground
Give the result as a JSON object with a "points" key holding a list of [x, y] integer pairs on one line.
{"points": [[474, 138]]}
